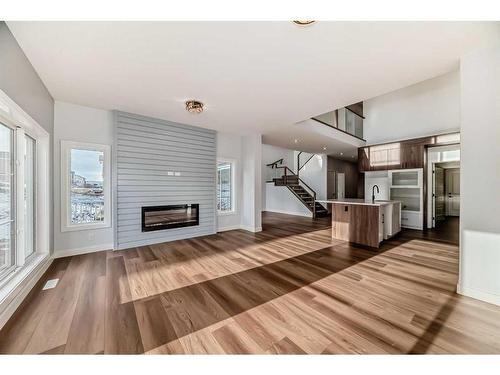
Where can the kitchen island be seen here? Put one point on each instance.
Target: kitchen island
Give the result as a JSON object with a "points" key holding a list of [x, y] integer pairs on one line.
{"points": [[364, 222]]}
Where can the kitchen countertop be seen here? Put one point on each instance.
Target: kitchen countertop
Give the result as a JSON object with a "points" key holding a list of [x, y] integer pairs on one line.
{"points": [[365, 202]]}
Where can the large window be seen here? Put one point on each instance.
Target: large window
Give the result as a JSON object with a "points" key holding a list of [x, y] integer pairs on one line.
{"points": [[18, 193], [225, 186], [86, 186], [6, 199], [24, 196]]}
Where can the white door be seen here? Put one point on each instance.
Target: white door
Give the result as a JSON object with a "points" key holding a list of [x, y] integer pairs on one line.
{"points": [[453, 192], [340, 185]]}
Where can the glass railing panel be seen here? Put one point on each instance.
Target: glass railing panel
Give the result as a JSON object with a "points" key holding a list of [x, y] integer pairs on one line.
{"points": [[344, 120], [272, 173], [327, 118]]}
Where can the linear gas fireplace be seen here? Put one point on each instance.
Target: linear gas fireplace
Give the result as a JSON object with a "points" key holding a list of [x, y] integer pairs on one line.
{"points": [[172, 216]]}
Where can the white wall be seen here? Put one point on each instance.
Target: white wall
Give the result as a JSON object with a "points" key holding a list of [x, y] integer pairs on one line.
{"points": [[480, 175], [438, 155], [81, 124], [379, 178], [314, 174], [269, 155], [281, 199], [426, 108], [251, 218], [229, 146]]}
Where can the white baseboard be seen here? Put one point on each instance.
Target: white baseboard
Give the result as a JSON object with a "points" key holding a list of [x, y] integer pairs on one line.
{"points": [[290, 213], [82, 250], [251, 229], [17, 296], [479, 294], [231, 227]]}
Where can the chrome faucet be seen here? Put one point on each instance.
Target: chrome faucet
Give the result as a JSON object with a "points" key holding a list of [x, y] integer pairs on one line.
{"points": [[373, 192]]}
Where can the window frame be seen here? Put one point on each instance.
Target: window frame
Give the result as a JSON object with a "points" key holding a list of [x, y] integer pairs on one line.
{"points": [[4, 274], [233, 164], [66, 147], [35, 198], [22, 125]]}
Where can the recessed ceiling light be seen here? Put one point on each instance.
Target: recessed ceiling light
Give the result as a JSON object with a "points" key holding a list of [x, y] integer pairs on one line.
{"points": [[303, 22], [194, 106]]}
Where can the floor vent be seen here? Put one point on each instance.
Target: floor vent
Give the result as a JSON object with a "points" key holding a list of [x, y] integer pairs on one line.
{"points": [[50, 284]]}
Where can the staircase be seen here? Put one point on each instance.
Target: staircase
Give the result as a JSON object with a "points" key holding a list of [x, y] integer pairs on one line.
{"points": [[299, 188]]}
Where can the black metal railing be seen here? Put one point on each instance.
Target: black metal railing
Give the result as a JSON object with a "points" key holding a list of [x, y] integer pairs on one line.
{"points": [[287, 175]]}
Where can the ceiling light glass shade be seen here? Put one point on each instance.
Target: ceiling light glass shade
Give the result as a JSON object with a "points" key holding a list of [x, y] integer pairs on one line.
{"points": [[194, 106], [303, 23]]}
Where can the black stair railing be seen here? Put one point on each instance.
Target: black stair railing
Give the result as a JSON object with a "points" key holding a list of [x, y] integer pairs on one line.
{"points": [[299, 167], [287, 176]]}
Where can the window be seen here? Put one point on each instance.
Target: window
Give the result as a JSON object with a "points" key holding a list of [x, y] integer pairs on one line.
{"points": [[85, 186], [6, 199], [24, 196], [17, 198], [225, 186]]}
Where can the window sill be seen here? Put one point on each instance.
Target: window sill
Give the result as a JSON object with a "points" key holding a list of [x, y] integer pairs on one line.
{"points": [[80, 227], [226, 213], [19, 276]]}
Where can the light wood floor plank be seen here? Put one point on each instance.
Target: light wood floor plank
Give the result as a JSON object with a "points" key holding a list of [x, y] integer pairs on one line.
{"points": [[289, 289]]}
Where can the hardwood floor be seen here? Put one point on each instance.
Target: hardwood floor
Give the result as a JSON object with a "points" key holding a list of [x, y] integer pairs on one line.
{"points": [[289, 289]]}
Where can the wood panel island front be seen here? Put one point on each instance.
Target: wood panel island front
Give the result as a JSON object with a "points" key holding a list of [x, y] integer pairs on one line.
{"points": [[364, 222]]}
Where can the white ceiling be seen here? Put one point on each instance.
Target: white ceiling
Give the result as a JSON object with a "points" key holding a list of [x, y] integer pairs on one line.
{"points": [[252, 76]]}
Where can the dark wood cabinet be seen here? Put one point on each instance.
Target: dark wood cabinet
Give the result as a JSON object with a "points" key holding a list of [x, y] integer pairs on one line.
{"points": [[363, 159], [397, 155]]}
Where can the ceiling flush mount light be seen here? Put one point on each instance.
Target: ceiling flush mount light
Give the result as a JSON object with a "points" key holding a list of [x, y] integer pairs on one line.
{"points": [[194, 106], [303, 23]]}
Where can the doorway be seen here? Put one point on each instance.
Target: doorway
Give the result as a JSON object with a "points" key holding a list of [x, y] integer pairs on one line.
{"points": [[452, 187], [445, 193]]}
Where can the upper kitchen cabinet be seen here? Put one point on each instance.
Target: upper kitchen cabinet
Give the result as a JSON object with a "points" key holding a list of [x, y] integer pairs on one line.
{"points": [[406, 154], [380, 157]]}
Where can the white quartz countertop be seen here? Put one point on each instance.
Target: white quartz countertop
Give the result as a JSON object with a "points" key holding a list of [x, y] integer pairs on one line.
{"points": [[365, 202]]}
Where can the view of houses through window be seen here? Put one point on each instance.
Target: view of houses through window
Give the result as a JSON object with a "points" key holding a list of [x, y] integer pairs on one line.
{"points": [[87, 194], [224, 187]]}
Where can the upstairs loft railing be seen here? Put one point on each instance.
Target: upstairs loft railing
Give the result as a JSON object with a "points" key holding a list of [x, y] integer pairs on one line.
{"points": [[343, 119]]}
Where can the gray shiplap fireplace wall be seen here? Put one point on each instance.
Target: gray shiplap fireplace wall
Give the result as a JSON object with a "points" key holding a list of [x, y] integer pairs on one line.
{"points": [[157, 162]]}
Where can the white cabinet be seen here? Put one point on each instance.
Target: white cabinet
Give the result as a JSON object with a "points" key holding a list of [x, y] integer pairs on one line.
{"points": [[391, 219], [406, 186]]}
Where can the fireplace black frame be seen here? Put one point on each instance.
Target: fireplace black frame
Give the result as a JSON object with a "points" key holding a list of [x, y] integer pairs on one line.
{"points": [[171, 225]]}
